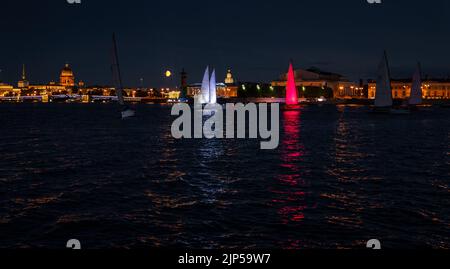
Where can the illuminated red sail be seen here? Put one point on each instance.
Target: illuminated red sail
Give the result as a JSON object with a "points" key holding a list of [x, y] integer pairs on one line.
{"points": [[291, 89]]}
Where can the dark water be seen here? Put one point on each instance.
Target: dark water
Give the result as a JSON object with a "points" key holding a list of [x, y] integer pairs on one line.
{"points": [[339, 178]]}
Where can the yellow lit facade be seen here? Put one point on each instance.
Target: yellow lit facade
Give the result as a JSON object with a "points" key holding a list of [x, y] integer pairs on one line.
{"points": [[223, 90], [432, 89], [313, 77], [6, 89], [341, 89]]}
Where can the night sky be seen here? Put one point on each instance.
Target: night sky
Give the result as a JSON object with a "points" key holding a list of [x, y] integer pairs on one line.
{"points": [[254, 38]]}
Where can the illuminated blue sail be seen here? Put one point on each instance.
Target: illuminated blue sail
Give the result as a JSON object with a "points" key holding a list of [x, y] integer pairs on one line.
{"points": [[213, 88], [205, 87]]}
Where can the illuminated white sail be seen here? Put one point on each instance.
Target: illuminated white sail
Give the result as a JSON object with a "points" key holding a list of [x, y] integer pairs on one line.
{"points": [[416, 89], [383, 96], [205, 87], [213, 88]]}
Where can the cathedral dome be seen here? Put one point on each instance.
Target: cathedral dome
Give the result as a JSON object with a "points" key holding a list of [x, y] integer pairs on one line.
{"points": [[67, 78], [67, 71]]}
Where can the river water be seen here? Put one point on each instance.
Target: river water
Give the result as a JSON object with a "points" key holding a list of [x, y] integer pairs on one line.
{"points": [[339, 177]]}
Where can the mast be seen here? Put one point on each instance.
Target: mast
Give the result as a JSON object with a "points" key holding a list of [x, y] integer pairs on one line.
{"points": [[116, 73]]}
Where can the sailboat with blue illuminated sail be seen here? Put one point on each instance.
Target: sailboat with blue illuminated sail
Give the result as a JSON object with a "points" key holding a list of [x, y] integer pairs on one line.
{"points": [[213, 88], [204, 92], [208, 92]]}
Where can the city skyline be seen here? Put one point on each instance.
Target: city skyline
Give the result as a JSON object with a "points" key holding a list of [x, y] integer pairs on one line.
{"points": [[254, 41]]}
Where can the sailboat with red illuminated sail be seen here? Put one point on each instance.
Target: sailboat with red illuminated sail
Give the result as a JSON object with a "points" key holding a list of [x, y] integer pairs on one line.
{"points": [[291, 91]]}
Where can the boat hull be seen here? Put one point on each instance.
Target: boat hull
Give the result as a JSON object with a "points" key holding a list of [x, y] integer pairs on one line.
{"points": [[397, 111], [291, 107], [389, 110], [380, 110], [128, 113]]}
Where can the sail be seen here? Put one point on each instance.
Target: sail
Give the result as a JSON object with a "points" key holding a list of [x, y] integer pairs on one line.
{"points": [[291, 89], [416, 89], [383, 96], [116, 73], [213, 88], [205, 87]]}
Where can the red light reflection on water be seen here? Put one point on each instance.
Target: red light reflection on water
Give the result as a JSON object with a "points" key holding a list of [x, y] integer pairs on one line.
{"points": [[289, 196]]}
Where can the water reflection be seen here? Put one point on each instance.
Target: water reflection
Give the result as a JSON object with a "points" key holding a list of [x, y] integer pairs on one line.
{"points": [[289, 196], [346, 202]]}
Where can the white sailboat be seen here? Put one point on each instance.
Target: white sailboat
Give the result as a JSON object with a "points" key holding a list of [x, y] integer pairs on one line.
{"points": [[213, 88], [204, 94], [208, 94], [383, 95], [126, 112], [416, 97]]}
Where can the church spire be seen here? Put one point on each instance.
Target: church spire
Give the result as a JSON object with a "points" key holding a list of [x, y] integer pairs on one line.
{"points": [[23, 83], [24, 77]]}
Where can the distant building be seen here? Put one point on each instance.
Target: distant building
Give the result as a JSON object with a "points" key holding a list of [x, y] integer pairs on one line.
{"points": [[314, 77], [48, 89], [229, 79], [223, 90], [65, 85], [67, 78], [5, 89], [401, 88]]}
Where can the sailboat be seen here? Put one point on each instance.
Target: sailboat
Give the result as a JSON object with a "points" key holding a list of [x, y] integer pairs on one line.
{"points": [[208, 94], [291, 91], [383, 95], [416, 97], [213, 88], [126, 112]]}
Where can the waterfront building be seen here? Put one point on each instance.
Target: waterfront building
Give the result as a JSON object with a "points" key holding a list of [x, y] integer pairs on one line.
{"points": [[223, 90], [51, 89], [313, 77], [65, 85], [401, 88], [6, 89]]}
